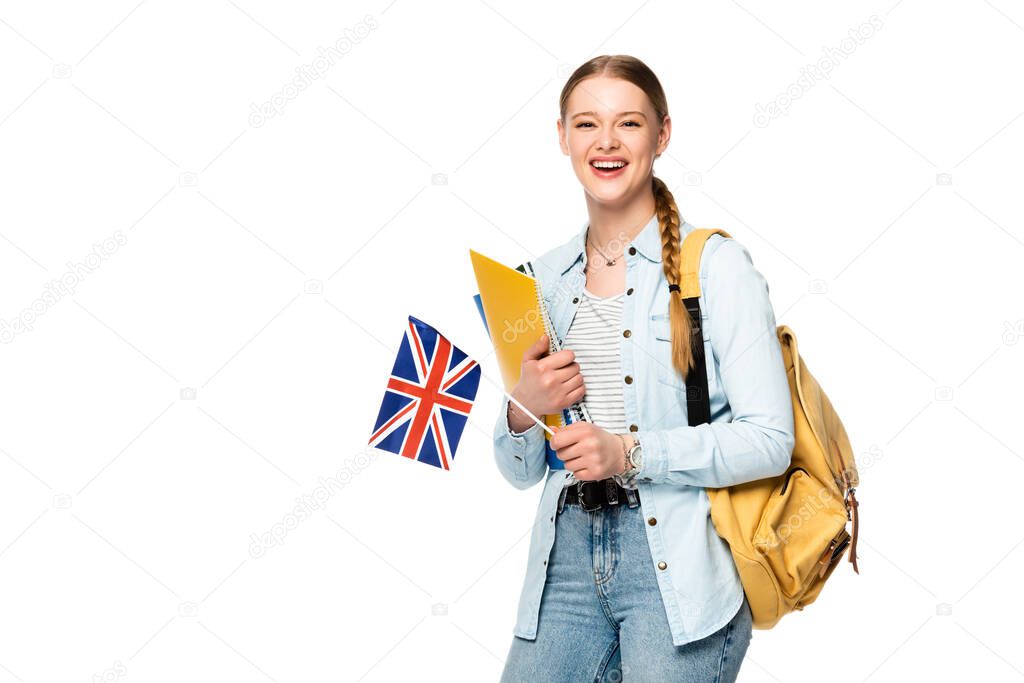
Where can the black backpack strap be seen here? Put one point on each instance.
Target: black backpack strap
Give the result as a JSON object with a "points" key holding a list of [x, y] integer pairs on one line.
{"points": [[698, 399]]}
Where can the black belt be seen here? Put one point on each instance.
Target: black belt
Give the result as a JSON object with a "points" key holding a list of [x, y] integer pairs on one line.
{"points": [[594, 495]]}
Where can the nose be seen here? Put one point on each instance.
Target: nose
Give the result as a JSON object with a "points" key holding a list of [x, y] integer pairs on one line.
{"points": [[608, 141]]}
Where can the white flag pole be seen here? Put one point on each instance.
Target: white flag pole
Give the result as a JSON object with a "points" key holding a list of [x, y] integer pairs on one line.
{"points": [[533, 417], [529, 414]]}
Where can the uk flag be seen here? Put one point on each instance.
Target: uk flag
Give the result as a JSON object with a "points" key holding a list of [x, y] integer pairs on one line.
{"points": [[428, 398]]}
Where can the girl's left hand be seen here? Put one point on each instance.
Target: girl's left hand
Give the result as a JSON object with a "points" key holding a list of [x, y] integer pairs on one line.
{"points": [[590, 452]]}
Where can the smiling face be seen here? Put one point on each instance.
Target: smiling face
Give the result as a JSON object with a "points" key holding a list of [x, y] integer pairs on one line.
{"points": [[612, 136]]}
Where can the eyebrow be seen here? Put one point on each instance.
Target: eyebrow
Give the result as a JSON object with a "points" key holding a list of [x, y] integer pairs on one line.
{"points": [[590, 113]]}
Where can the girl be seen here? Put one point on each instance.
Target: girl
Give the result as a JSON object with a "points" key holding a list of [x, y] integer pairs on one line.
{"points": [[627, 578]]}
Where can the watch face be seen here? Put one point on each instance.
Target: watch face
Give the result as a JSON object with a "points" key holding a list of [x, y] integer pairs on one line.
{"points": [[636, 456]]}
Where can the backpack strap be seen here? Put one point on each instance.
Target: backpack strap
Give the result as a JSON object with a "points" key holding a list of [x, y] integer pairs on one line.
{"points": [[698, 399]]}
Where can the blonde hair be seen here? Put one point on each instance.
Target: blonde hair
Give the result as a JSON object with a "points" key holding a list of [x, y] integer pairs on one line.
{"points": [[639, 74]]}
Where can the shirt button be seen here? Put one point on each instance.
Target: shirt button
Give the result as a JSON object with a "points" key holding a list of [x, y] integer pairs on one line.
{"points": [[626, 333], [632, 250], [575, 299], [662, 565], [629, 379], [629, 292], [652, 521]]}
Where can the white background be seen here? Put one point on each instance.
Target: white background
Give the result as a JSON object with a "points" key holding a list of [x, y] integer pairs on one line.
{"points": [[270, 268]]}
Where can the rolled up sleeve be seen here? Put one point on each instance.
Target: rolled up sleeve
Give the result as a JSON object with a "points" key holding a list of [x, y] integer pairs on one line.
{"points": [[519, 456], [758, 441]]}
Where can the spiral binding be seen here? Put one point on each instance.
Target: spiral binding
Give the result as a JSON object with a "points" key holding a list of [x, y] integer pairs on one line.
{"points": [[577, 411]]}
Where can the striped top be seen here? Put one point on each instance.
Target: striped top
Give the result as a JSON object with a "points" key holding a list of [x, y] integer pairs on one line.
{"points": [[594, 338]]}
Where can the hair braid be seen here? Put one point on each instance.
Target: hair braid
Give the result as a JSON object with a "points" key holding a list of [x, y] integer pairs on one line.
{"points": [[679, 317]]}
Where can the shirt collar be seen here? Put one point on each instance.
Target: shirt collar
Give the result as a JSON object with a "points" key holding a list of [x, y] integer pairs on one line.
{"points": [[647, 243]]}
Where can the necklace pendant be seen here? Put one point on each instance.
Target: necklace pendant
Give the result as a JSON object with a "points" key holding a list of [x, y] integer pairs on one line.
{"points": [[609, 263]]}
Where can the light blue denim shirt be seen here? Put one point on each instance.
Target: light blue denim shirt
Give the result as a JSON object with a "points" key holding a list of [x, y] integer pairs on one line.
{"points": [[750, 436]]}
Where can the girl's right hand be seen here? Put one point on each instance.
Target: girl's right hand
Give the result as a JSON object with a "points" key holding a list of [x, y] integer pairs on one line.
{"points": [[548, 383]]}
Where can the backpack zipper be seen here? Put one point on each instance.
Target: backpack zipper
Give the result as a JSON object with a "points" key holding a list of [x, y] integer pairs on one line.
{"points": [[789, 475]]}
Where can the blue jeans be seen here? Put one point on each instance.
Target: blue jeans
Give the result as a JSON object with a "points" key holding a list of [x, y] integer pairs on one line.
{"points": [[602, 618]]}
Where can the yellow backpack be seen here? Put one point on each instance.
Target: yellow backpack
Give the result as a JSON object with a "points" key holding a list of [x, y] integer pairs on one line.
{"points": [[786, 533]]}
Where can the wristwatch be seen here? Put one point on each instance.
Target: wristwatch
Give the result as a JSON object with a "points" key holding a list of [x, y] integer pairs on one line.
{"points": [[634, 461]]}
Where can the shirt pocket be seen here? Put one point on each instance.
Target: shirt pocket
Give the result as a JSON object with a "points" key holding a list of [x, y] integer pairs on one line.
{"points": [[662, 332]]}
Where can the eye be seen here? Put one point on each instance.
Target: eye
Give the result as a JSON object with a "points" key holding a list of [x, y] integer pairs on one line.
{"points": [[635, 124]]}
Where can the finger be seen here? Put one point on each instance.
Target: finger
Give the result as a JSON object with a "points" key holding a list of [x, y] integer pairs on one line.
{"points": [[568, 454], [566, 436], [559, 359], [573, 383], [568, 372], [574, 396], [537, 349], [579, 469]]}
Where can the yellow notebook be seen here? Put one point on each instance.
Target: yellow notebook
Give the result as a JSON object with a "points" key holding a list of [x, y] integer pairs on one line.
{"points": [[516, 317]]}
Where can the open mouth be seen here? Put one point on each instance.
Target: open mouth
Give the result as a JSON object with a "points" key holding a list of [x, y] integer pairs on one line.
{"points": [[608, 169]]}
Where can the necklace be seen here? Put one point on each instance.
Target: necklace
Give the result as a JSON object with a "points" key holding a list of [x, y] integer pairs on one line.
{"points": [[608, 261]]}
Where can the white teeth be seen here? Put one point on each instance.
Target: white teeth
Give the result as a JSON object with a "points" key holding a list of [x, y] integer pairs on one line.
{"points": [[608, 164]]}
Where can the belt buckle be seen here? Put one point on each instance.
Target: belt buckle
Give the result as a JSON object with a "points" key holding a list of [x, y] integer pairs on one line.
{"points": [[582, 500]]}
